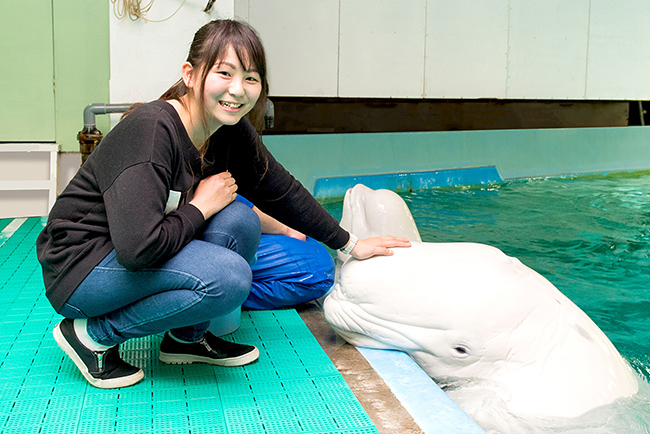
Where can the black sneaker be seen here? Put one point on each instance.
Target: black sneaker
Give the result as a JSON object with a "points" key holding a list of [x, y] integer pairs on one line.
{"points": [[210, 349], [103, 369]]}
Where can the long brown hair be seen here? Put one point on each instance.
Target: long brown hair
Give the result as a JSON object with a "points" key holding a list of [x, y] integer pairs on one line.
{"points": [[209, 45]]}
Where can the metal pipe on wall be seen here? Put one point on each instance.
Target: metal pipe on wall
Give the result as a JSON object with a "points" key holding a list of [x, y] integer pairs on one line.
{"points": [[90, 136]]}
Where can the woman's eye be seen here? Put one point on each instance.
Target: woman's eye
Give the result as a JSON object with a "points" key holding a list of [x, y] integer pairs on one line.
{"points": [[252, 79], [224, 73]]}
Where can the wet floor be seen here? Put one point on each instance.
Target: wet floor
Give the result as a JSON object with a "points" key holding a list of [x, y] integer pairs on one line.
{"points": [[375, 396]]}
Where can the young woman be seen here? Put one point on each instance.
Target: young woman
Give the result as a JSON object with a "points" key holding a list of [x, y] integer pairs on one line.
{"points": [[148, 237]]}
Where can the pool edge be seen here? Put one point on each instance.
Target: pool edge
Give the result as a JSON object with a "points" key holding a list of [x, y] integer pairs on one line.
{"points": [[429, 406]]}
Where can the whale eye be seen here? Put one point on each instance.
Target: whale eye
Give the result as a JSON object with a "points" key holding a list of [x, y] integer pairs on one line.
{"points": [[461, 351]]}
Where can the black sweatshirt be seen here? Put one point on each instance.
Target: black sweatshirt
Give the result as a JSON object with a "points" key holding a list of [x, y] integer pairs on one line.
{"points": [[132, 195]]}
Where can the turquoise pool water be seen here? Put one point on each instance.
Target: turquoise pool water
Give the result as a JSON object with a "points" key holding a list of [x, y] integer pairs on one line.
{"points": [[589, 235]]}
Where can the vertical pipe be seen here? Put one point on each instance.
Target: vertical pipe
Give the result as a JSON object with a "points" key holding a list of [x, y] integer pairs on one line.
{"points": [[641, 113]]}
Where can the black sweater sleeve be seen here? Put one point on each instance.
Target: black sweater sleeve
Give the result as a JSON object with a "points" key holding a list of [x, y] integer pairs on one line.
{"points": [[142, 234], [267, 184], [283, 197]]}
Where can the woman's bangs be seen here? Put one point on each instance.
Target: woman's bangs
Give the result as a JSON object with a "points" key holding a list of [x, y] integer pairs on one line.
{"points": [[249, 55]]}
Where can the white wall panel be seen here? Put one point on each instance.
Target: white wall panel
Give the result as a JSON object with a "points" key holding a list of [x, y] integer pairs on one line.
{"points": [[146, 57], [466, 49], [547, 55], [302, 42], [619, 50], [507, 49], [241, 9], [382, 48]]}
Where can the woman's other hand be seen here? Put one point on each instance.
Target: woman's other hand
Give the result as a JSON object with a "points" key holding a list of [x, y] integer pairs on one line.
{"points": [[378, 246], [294, 234], [214, 193], [272, 226]]}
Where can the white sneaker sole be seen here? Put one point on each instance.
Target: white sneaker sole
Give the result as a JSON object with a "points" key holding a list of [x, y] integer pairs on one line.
{"points": [[186, 359], [112, 383]]}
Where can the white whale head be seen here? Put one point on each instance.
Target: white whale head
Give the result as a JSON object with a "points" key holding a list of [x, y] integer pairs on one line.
{"points": [[468, 312], [371, 213]]}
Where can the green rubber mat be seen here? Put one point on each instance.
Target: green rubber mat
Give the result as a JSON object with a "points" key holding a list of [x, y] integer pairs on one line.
{"points": [[292, 388]]}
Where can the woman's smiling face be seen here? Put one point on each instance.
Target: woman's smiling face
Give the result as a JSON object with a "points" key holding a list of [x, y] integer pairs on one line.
{"points": [[230, 91]]}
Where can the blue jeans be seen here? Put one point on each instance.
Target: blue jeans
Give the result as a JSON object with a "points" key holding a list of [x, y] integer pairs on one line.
{"points": [[209, 277]]}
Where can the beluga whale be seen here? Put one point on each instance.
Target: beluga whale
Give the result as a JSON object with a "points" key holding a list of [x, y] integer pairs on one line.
{"points": [[489, 329]]}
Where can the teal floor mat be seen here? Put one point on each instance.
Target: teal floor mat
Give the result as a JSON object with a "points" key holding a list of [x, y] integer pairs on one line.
{"points": [[293, 388]]}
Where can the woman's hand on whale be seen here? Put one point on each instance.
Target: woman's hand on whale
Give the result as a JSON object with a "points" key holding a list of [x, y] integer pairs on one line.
{"points": [[378, 246]]}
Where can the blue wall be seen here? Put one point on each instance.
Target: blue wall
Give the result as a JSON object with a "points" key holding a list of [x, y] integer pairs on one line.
{"points": [[333, 161]]}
